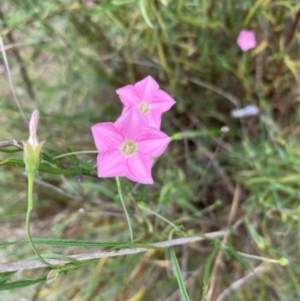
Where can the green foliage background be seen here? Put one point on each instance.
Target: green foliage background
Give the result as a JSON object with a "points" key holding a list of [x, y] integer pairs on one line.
{"points": [[67, 59]]}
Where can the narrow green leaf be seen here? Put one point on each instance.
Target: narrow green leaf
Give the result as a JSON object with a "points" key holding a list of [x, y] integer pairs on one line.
{"points": [[107, 192], [5, 150], [21, 283], [73, 243], [179, 276], [4, 277], [256, 236], [46, 167], [208, 264], [207, 269], [143, 8], [251, 13], [238, 256], [195, 134]]}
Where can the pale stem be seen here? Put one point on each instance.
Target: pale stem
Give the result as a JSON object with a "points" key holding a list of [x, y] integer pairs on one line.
{"points": [[124, 207]]}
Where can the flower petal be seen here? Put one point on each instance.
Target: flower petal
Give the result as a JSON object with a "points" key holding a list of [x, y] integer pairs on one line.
{"points": [[111, 164], [33, 123], [124, 110], [152, 142], [154, 118], [146, 88], [128, 96], [162, 101], [106, 136], [139, 169], [131, 124]]}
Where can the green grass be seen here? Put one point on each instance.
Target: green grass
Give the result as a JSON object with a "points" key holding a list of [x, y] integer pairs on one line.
{"points": [[67, 60]]}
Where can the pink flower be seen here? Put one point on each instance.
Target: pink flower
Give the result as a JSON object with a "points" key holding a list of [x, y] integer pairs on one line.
{"points": [[246, 40], [148, 98], [89, 3], [127, 147]]}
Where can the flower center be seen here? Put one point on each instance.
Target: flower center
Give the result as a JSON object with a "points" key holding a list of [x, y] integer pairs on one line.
{"points": [[129, 148], [144, 107]]}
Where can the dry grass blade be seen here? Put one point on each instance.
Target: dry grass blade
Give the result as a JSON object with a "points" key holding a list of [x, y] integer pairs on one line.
{"points": [[34, 264], [11, 81]]}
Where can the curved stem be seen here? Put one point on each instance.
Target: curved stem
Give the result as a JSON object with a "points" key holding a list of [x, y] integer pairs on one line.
{"points": [[124, 207], [29, 209]]}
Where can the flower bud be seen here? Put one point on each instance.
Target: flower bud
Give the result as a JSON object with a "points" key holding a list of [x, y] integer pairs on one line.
{"points": [[32, 148]]}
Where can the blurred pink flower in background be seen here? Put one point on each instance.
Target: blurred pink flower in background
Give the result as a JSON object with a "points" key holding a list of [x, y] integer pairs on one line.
{"points": [[246, 40], [146, 96], [127, 147], [89, 3]]}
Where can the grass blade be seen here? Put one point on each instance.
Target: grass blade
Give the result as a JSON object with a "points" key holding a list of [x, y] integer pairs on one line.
{"points": [[21, 283], [179, 276], [144, 13]]}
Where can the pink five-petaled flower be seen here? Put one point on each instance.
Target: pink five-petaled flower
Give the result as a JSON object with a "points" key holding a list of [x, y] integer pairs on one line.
{"points": [[246, 40], [127, 147], [148, 98], [32, 147]]}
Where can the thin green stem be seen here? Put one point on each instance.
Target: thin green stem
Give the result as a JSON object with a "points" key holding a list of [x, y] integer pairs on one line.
{"points": [[29, 209], [124, 207], [282, 261], [76, 153], [160, 216]]}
